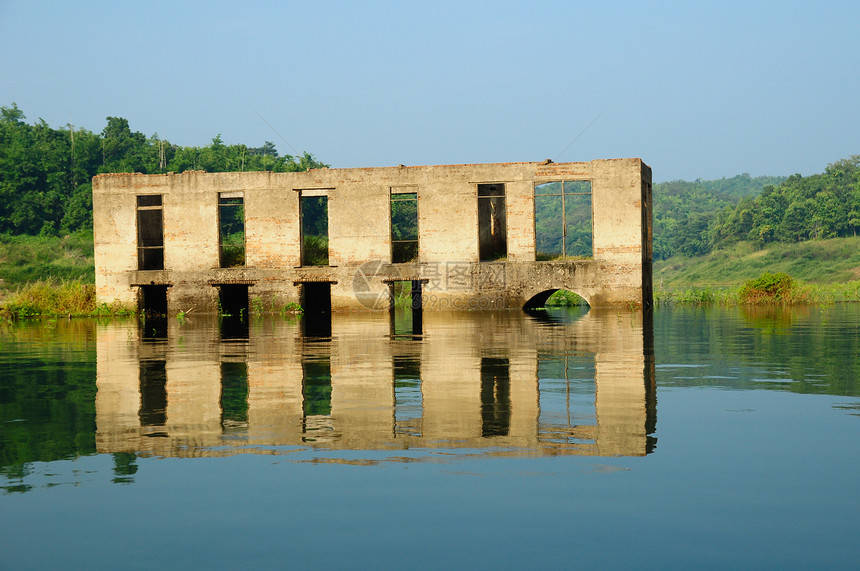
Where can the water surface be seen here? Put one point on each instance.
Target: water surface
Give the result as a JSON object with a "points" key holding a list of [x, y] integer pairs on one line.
{"points": [[691, 437]]}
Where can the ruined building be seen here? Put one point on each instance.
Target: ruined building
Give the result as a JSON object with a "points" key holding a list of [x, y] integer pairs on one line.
{"points": [[458, 236]]}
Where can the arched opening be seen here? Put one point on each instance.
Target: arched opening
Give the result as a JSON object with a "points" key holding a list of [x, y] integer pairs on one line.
{"points": [[557, 305]]}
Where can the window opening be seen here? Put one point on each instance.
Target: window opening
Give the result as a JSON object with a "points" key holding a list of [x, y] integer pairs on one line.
{"points": [[492, 222], [404, 226], [408, 399], [495, 397], [314, 215], [563, 220], [231, 230], [150, 232], [234, 396]]}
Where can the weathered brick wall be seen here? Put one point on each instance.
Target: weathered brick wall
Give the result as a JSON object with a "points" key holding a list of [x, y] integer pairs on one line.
{"points": [[359, 233]]}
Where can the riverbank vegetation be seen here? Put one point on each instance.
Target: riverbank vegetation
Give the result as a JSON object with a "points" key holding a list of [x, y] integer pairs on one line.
{"points": [[67, 298], [767, 289]]}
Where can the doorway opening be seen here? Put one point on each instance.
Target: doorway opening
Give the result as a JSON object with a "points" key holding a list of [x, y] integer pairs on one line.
{"points": [[150, 232], [233, 300], [231, 229], [406, 308], [404, 225], [233, 310], [153, 300], [316, 309]]}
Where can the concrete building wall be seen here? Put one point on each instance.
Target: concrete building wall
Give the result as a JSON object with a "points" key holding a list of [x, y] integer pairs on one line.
{"points": [[360, 244]]}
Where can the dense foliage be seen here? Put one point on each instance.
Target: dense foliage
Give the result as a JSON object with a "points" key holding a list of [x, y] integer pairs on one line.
{"points": [[685, 212], [820, 206], [692, 219], [45, 173]]}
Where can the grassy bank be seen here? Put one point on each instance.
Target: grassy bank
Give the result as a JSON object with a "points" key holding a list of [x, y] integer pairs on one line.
{"points": [[822, 271], [754, 292], [835, 261], [29, 259], [58, 299]]}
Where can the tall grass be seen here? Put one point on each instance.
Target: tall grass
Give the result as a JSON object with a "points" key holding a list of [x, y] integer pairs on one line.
{"points": [[65, 298], [767, 289], [25, 259], [816, 262]]}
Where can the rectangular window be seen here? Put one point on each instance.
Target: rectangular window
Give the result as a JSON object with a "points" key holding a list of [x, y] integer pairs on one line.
{"points": [[404, 225], [314, 215], [231, 229], [492, 222], [563, 227], [150, 233]]}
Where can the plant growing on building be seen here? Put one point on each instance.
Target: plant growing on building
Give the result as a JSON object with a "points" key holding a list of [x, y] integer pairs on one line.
{"points": [[257, 307]]}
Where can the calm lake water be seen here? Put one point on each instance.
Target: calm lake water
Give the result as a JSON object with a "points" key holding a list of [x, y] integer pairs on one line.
{"points": [[687, 437]]}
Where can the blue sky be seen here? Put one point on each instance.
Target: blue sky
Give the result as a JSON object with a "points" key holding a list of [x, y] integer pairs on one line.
{"points": [[696, 89]]}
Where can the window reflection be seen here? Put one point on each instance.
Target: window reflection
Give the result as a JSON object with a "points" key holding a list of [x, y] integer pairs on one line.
{"points": [[316, 399], [153, 393], [234, 396], [492, 382], [495, 397], [408, 400]]}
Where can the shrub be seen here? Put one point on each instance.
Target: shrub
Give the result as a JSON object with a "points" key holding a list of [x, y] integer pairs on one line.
{"points": [[778, 288], [565, 298]]}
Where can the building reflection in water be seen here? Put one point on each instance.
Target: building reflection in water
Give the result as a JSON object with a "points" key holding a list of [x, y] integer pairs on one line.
{"points": [[498, 383]]}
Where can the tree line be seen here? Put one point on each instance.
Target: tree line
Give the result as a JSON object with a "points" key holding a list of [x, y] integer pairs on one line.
{"points": [[46, 173], [684, 211], [694, 218]]}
